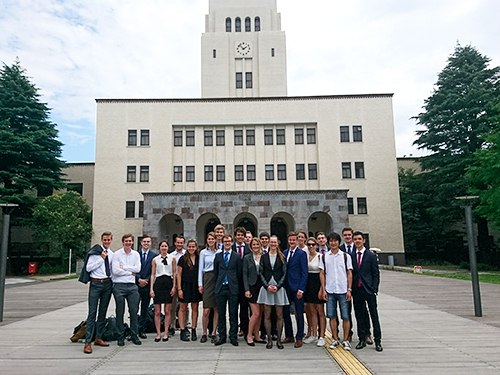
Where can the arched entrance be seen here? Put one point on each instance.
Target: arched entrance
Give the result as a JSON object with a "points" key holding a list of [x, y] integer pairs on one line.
{"points": [[205, 224], [319, 222], [170, 226], [281, 224], [247, 221]]}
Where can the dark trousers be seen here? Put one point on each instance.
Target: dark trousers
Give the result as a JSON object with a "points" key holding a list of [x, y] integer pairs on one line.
{"points": [[223, 299], [99, 297], [299, 315], [122, 292], [244, 312], [361, 299], [145, 299]]}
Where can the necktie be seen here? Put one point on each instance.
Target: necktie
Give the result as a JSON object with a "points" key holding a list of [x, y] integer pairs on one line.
{"points": [[143, 256], [226, 260], [349, 249], [359, 265], [239, 252], [106, 265], [291, 255]]}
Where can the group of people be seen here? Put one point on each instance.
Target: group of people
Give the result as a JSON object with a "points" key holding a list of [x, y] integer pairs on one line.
{"points": [[248, 278]]}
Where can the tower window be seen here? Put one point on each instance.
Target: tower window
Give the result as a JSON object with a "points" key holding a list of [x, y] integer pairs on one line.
{"points": [[144, 137], [190, 173], [280, 136], [311, 136], [346, 170], [300, 172], [209, 140], [238, 173], [251, 172], [177, 138], [269, 172], [299, 136], [144, 174], [237, 24], [238, 137], [239, 80], [272, 52], [257, 23], [247, 24], [357, 133], [132, 137], [221, 173], [190, 138], [228, 24], [313, 171], [214, 53], [250, 137], [281, 171], [248, 80], [209, 173], [359, 169], [344, 134], [220, 137], [268, 136], [178, 173]]}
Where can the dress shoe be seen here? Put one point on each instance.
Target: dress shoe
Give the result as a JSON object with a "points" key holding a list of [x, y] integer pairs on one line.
{"points": [[378, 347], [275, 337], [87, 349], [250, 343], [234, 342], [142, 335], [260, 341], [121, 341], [288, 340], [279, 345], [100, 342], [157, 339], [204, 338], [361, 344], [369, 340], [220, 341], [298, 344], [269, 345], [193, 335], [135, 340], [164, 339]]}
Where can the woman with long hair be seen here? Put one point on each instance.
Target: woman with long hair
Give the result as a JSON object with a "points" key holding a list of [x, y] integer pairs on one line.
{"points": [[206, 286], [272, 293], [301, 240], [187, 280], [163, 287]]}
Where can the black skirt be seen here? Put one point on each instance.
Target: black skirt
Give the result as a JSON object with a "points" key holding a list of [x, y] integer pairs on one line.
{"points": [[190, 292], [255, 290], [162, 288], [312, 289]]}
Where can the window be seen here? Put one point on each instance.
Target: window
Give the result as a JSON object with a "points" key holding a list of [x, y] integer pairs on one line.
{"points": [[272, 52], [269, 172], [132, 137], [130, 209], [75, 186], [237, 24], [209, 173], [344, 134], [280, 136], [346, 170], [44, 191], [131, 173], [178, 138], [238, 173], [214, 53], [359, 169], [190, 138], [190, 173], [257, 23], [357, 134], [220, 138], [239, 80], [299, 136], [144, 137], [238, 137], [281, 171], [247, 24], [221, 173], [362, 209], [248, 80], [250, 172], [313, 171], [141, 209], [268, 136], [300, 173], [209, 138], [228, 25], [178, 173], [350, 206], [144, 175], [250, 137], [311, 136]]}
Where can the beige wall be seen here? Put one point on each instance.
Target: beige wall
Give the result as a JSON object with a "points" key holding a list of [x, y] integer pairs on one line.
{"points": [[82, 173]]}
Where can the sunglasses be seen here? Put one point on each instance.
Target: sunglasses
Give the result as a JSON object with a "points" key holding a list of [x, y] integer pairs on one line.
{"points": [[312, 244]]}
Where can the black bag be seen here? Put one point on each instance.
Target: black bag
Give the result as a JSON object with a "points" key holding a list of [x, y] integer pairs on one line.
{"points": [[110, 332], [150, 322]]}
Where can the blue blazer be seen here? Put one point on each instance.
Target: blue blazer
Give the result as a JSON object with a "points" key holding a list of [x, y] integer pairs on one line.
{"points": [[296, 270], [343, 247], [368, 272], [145, 272]]}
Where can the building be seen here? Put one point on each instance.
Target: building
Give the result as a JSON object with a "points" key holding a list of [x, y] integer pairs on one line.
{"points": [[246, 153]]}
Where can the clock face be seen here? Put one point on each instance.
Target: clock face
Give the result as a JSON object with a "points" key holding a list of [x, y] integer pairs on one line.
{"points": [[243, 49]]}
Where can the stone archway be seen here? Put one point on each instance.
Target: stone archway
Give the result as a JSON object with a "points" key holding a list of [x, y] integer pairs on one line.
{"points": [[281, 224], [247, 221], [319, 222], [169, 227], [204, 225]]}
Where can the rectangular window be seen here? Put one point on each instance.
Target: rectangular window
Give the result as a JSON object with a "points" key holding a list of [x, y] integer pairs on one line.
{"points": [[190, 138], [250, 137], [209, 173], [344, 134], [238, 137], [209, 138], [178, 138], [248, 80], [144, 137], [299, 136], [178, 173], [346, 170], [144, 176], [220, 137], [359, 169], [272, 52], [214, 53], [362, 209], [190, 173], [238, 173], [130, 209], [132, 137], [269, 172], [357, 133], [131, 169], [281, 171], [280, 136], [350, 206], [251, 173], [221, 173], [311, 136], [313, 171], [239, 80], [268, 136], [75, 186], [300, 173], [141, 209]]}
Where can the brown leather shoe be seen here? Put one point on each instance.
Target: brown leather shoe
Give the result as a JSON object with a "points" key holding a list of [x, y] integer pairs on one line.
{"points": [[369, 340], [298, 344], [87, 349], [100, 342], [288, 340]]}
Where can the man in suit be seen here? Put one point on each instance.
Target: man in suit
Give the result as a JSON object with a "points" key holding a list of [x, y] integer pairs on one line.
{"points": [[228, 268], [348, 245], [142, 279], [241, 247], [366, 279], [295, 286], [322, 246]]}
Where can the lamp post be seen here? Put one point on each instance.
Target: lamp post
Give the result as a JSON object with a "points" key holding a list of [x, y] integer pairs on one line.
{"points": [[7, 209], [472, 254]]}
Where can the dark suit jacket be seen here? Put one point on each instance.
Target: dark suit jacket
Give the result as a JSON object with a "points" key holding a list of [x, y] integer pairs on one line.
{"points": [[368, 272], [233, 272], [145, 272], [250, 274], [343, 247], [296, 270], [246, 249], [278, 271], [85, 275]]}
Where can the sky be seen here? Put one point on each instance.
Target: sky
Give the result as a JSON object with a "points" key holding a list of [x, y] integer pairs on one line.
{"points": [[78, 50]]}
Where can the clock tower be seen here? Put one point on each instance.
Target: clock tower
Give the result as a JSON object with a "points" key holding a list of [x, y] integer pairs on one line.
{"points": [[243, 50]]}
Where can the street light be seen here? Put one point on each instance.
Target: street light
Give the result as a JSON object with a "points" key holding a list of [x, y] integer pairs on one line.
{"points": [[7, 209]]}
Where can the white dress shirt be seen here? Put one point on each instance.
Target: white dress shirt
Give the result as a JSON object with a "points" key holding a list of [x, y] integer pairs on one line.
{"points": [[335, 274], [96, 266], [124, 266]]}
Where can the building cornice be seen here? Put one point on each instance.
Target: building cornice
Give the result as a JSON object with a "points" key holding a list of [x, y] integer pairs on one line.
{"points": [[253, 192]]}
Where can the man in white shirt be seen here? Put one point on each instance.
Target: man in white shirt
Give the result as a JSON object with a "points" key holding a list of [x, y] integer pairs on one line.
{"points": [[126, 263], [336, 283]]}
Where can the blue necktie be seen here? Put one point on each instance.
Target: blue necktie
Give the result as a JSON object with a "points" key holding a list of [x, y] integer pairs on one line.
{"points": [[226, 260]]}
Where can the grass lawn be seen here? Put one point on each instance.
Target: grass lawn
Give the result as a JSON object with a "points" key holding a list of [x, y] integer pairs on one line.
{"points": [[483, 278]]}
